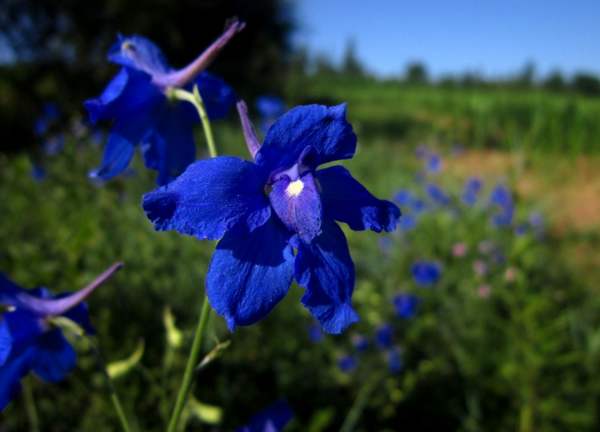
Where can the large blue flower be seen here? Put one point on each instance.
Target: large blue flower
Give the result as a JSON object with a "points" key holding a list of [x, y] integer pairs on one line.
{"points": [[276, 217], [136, 101], [30, 341]]}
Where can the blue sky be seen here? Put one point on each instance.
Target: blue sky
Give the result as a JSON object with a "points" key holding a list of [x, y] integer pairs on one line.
{"points": [[492, 37]]}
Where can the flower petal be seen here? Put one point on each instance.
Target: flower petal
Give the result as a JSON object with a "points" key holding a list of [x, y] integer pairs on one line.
{"points": [[326, 270], [54, 357], [298, 205], [250, 272], [128, 93], [217, 95], [10, 376], [209, 198], [324, 128], [5, 341], [272, 419], [346, 200], [139, 53], [169, 148]]}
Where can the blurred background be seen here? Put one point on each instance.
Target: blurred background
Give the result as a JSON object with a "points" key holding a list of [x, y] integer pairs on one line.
{"points": [[481, 121]]}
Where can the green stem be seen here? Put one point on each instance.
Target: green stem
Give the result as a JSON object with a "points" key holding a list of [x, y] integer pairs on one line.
{"points": [[359, 404], [196, 100], [114, 397], [190, 366], [32, 415]]}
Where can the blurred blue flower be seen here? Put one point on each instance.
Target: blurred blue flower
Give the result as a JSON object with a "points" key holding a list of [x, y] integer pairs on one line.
{"points": [[136, 100], [407, 222], [501, 196], [418, 206], [28, 339], [269, 108], [38, 172], [521, 229], [272, 419], [49, 116], [406, 305], [426, 273], [504, 216], [265, 210], [314, 333], [536, 219], [384, 336], [471, 190], [360, 342], [54, 144], [403, 197], [437, 194], [433, 164], [421, 151], [347, 363], [394, 360]]}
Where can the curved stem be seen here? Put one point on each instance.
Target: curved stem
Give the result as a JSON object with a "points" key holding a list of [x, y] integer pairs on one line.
{"points": [[190, 366], [114, 397]]}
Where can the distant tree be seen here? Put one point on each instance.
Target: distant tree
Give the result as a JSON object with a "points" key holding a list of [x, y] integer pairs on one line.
{"points": [[351, 65], [323, 65], [555, 81], [471, 79], [586, 83], [525, 78], [416, 73]]}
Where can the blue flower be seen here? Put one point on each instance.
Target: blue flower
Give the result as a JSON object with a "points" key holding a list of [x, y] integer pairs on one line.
{"points": [[406, 305], [433, 164], [269, 108], [394, 359], [29, 341], [360, 343], [48, 118], [38, 172], [501, 196], [136, 101], [403, 197], [437, 194], [347, 363], [314, 333], [407, 222], [471, 191], [276, 217], [272, 419], [384, 336], [426, 273]]}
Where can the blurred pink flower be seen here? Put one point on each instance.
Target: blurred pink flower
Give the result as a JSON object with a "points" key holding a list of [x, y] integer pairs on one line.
{"points": [[484, 291], [459, 250], [510, 274]]}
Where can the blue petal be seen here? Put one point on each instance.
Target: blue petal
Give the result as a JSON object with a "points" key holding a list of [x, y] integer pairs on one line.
{"points": [[140, 53], [250, 272], [169, 148], [326, 270], [128, 93], [298, 205], [347, 363], [384, 336], [10, 376], [217, 95], [119, 150], [5, 341], [346, 200], [209, 198], [426, 273], [24, 328], [272, 419], [54, 357], [324, 128], [270, 107]]}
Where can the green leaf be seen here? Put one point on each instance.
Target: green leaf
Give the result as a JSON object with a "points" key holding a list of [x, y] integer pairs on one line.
{"points": [[209, 414]]}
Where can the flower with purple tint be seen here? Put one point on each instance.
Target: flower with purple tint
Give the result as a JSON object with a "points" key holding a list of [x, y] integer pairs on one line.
{"points": [[347, 363], [49, 116], [360, 342], [394, 360], [403, 197], [272, 419], [426, 273], [480, 267], [276, 217], [137, 102], [406, 305], [437, 194], [433, 164], [501, 196], [30, 341], [421, 151], [384, 336]]}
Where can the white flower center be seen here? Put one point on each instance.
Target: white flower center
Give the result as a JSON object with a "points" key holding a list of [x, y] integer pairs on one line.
{"points": [[294, 188]]}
